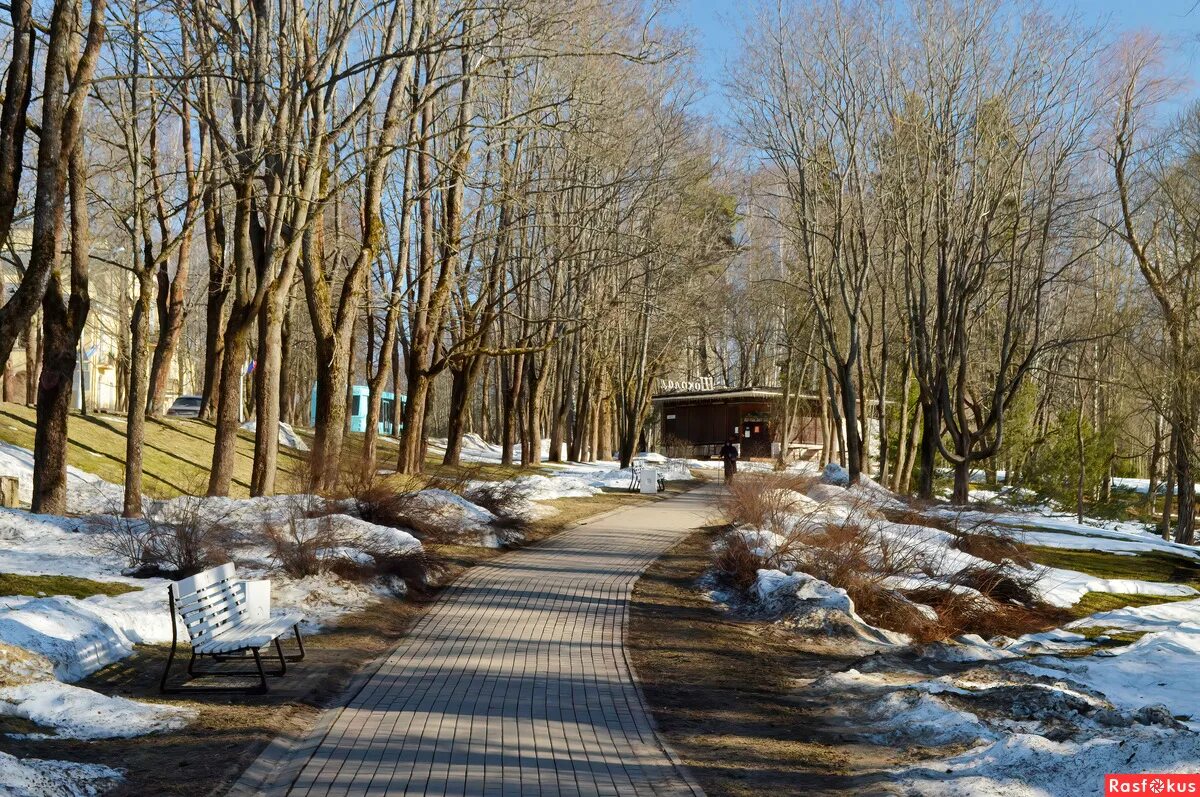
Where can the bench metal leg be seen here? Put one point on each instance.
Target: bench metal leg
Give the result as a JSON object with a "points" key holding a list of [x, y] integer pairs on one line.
{"points": [[262, 675], [162, 685], [282, 658], [299, 643]]}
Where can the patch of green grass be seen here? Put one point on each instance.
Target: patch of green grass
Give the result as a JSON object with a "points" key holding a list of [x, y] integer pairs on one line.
{"points": [[14, 584], [1094, 602], [1149, 566], [1102, 638], [1112, 636]]}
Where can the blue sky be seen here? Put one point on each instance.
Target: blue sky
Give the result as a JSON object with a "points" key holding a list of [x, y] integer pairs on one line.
{"points": [[717, 27]]}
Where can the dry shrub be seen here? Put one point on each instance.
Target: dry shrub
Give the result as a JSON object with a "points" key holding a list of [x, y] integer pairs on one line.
{"points": [[387, 500], [993, 544], [415, 569], [857, 557], [298, 546], [914, 514], [386, 503], [864, 558], [966, 613], [309, 546], [1001, 582], [840, 554], [736, 564], [503, 499], [182, 544], [886, 608], [765, 501]]}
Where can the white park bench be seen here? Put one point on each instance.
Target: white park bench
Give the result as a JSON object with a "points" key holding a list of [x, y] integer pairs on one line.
{"points": [[228, 618], [637, 468]]}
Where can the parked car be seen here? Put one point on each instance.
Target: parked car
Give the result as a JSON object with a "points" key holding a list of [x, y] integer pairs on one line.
{"points": [[185, 407]]}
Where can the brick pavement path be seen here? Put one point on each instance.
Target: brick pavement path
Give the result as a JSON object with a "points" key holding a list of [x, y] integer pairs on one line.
{"points": [[515, 682]]}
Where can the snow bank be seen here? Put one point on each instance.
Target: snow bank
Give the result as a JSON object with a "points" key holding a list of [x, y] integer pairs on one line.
{"points": [[810, 604], [917, 718], [32, 777], [353, 532], [456, 515], [553, 488], [1030, 765], [1048, 527], [75, 713], [243, 512], [79, 637], [1067, 587], [86, 492], [323, 599], [287, 435]]}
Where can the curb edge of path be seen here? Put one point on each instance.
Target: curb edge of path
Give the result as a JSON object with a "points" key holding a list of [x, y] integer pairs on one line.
{"points": [[685, 774], [267, 773]]}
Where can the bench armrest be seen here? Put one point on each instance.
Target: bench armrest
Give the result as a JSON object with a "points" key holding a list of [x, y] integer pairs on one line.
{"points": [[257, 595]]}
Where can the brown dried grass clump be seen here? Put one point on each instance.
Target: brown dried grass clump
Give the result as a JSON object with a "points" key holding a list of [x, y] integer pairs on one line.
{"points": [[736, 564], [765, 501], [965, 613], [993, 544]]}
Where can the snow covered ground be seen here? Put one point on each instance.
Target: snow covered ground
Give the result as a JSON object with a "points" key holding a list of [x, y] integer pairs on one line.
{"points": [[1046, 714]]}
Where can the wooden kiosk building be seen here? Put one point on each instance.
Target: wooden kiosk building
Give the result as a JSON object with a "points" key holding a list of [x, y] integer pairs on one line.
{"points": [[696, 423]]}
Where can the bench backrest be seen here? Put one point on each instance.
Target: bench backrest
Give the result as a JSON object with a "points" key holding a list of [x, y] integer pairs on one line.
{"points": [[209, 602]]}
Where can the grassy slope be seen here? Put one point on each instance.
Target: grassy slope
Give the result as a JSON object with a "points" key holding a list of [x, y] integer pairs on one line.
{"points": [[178, 453], [176, 457]]}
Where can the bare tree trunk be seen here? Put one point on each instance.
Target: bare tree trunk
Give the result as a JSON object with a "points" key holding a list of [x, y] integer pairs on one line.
{"points": [[1164, 524], [135, 423], [33, 359], [266, 393], [1185, 524], [63, 323]]}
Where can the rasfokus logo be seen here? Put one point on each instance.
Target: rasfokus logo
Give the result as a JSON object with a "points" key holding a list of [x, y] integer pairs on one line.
{"points": [[1151, 784]]}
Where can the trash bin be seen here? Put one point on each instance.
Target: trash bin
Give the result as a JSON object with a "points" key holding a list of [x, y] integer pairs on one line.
{"points": [[649, 480]]}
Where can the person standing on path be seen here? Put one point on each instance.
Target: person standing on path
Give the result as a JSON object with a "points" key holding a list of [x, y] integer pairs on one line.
{"points": [[729, 454]]}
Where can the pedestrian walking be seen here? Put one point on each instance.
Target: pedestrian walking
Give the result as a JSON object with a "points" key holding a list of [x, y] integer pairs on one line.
{"points": [[729, 454]]}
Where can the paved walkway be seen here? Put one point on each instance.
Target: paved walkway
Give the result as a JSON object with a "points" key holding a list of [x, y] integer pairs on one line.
{"points": [[515, 682]]}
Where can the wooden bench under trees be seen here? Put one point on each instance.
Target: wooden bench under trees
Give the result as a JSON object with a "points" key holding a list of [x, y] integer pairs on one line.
{"points": [[228, 619]]}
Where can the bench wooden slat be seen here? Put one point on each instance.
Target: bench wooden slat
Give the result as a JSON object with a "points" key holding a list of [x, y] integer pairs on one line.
{"points": [[253, 634], [208, 593], [214, 604], [204, 579]]}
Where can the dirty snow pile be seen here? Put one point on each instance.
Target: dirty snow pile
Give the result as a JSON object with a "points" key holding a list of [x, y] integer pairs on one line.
{"points": [[1046, 714], [1009, 733], [811, 605], [32, 777]]}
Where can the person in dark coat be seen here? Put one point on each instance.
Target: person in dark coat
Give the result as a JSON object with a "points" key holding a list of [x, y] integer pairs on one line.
{"points": [[729, 454]]}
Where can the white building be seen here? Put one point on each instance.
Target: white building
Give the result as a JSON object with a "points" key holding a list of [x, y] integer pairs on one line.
{"points": [[103, 361]]}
